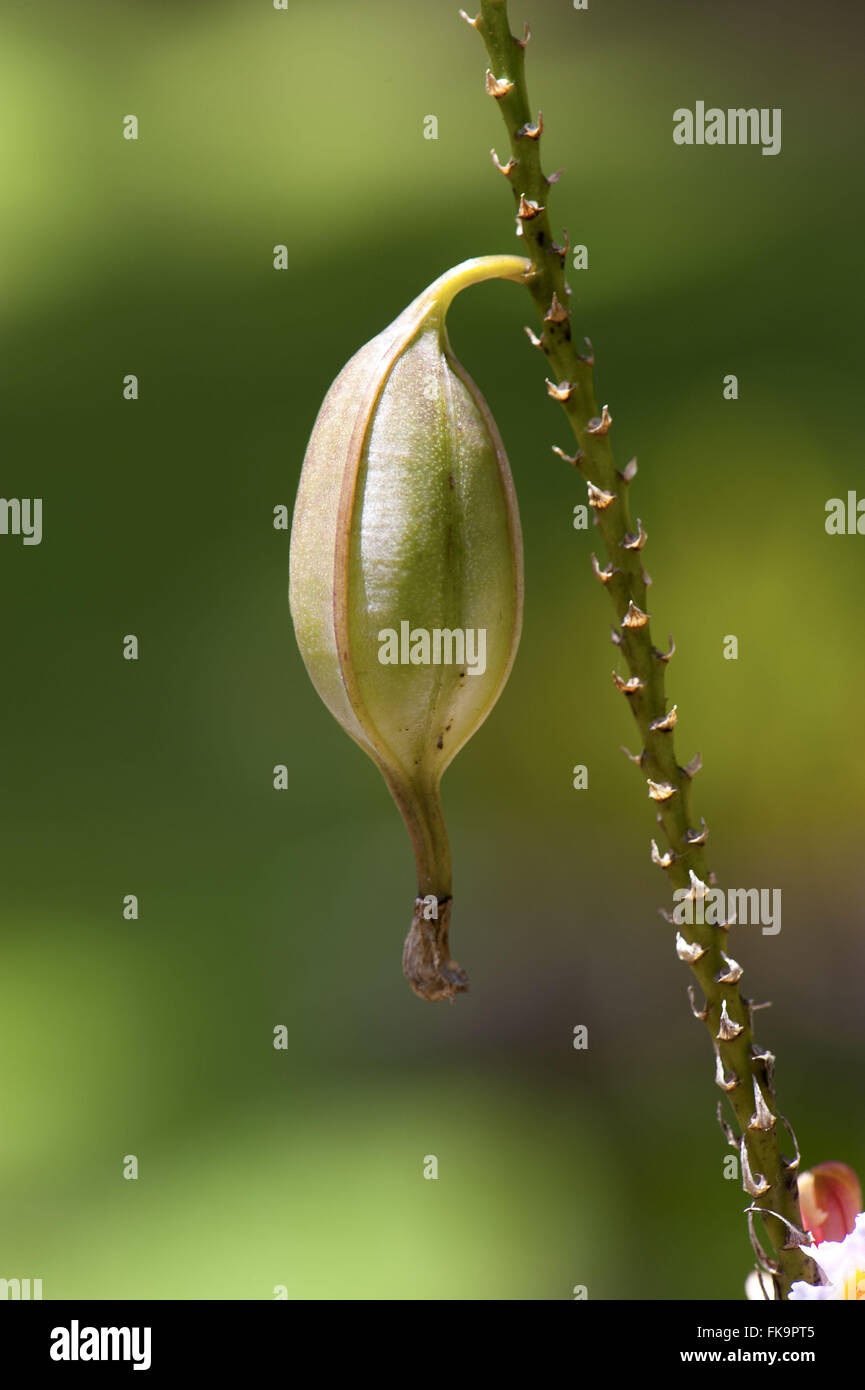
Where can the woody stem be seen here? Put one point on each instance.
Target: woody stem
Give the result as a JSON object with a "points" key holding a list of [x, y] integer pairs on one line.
{"points": [[743, 1071]]}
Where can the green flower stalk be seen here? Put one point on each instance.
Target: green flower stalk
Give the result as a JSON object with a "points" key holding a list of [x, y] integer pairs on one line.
{"points": [[743, 1071], [406, 577]]}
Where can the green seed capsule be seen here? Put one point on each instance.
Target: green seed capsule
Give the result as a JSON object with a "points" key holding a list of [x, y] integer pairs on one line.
{"points": [[406, 583]]}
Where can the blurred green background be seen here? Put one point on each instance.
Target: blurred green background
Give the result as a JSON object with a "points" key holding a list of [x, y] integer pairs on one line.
{"points": [[259, 907]]}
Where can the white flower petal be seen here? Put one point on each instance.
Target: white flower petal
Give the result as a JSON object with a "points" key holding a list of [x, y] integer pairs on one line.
{"points": [[800, 1292], [759, 1287], [842, 1264]]}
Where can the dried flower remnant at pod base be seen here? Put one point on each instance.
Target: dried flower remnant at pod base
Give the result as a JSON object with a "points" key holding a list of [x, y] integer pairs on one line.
{"points": [[406, 547]]}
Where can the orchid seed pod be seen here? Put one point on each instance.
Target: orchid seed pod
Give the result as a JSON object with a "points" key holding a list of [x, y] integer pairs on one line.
{"points": [[406, 577]]}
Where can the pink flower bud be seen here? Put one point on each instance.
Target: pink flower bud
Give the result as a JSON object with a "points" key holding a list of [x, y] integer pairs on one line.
{"points": [[829, 1199]]}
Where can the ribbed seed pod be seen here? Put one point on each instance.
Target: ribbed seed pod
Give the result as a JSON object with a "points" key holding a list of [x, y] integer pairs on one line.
{"points": [[406, 577]]}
